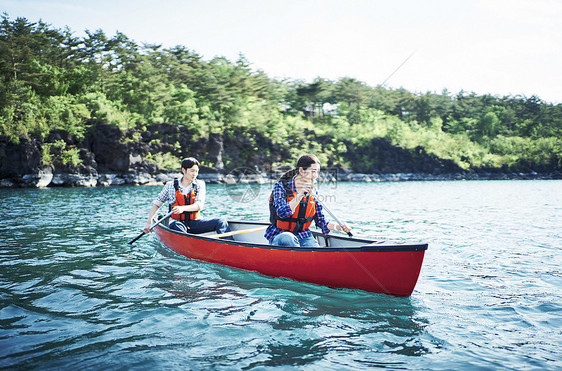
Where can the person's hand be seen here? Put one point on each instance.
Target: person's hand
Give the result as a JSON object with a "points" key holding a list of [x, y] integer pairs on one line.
{"points": [[345, 228], [147, 228], [306, 188], [177, 209]]}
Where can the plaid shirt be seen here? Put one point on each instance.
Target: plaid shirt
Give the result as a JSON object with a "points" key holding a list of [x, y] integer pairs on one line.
{"points": [[168, 193], [284, 211]]}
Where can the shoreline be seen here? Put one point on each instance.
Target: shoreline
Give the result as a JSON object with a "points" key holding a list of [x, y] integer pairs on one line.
{"points": [[47, 179]]}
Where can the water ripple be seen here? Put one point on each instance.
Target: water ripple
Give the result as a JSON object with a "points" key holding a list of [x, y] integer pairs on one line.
{"points": [[74, 294]]}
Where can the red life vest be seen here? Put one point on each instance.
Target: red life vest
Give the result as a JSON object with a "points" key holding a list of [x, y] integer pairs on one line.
{"points": [[182, 200], [302, 216]]}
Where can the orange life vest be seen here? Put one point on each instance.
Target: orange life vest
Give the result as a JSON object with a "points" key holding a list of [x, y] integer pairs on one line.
{"points": [[182, 200], [302, 216]]}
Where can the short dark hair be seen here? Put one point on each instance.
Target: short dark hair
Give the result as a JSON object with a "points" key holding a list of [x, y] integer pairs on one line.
{"points": [[189, 162]]}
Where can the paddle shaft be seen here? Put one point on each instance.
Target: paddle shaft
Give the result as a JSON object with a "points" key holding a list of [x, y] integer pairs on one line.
{"points": [[152, 227], [233, 233], [332, 214]]}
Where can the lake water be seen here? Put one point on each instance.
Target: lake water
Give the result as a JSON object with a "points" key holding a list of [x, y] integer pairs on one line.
{"points": [[75, 295]]}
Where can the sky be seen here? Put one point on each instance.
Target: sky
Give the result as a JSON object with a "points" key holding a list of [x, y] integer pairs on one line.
{"points": [[498, 47]]}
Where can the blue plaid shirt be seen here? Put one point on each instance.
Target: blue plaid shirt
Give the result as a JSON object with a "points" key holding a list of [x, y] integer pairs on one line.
{"points": [[284, 211]]}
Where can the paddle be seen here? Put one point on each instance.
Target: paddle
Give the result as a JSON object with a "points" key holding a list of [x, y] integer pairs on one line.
{"points": [[151, 228], [233, 233], [331, 214]]}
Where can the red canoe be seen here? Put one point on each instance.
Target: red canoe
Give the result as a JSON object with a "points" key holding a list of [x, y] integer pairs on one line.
{"points": [[340, 262]]}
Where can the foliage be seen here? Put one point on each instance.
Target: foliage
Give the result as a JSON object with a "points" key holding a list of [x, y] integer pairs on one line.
{"points": [[51, 81], [59, 152], [164, 160]]}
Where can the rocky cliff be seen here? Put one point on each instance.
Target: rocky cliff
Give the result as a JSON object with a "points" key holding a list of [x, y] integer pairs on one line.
{"points": [[109, 156]]}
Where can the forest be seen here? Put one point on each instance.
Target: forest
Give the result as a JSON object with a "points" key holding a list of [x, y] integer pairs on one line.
{"points": [[55, 88]]}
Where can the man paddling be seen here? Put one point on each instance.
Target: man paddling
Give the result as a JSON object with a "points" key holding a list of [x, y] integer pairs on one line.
{"points": [[186, 198]]}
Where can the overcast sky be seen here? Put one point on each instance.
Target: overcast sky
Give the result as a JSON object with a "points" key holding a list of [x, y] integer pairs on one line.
{"points": [[500, 47]]}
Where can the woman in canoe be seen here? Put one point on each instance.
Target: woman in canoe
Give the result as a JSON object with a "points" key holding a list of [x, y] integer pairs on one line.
{"points": [[186, 198], [292, 207]]}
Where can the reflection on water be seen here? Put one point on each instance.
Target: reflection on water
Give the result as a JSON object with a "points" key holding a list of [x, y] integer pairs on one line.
{"points": [[308, 321], [74, 294]]}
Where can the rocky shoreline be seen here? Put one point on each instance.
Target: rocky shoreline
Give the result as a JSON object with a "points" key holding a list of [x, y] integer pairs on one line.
{"points": [[109, 156], [44, 178]]}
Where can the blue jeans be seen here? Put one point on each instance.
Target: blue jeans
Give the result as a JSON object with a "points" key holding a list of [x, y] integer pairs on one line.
{"points": [[290, 240], [220, 225]]}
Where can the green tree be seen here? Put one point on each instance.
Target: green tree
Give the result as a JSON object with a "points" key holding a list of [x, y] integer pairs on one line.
{"points": [[53, 82], [488, 125]]}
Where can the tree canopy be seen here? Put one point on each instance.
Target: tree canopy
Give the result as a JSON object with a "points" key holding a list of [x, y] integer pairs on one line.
{"points": [[53, 81]]}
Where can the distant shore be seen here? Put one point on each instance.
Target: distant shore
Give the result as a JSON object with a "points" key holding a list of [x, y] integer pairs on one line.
{"points": [[47, 179]]}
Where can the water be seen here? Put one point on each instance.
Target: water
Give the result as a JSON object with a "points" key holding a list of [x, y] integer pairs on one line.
{"points": [[75, 295]]}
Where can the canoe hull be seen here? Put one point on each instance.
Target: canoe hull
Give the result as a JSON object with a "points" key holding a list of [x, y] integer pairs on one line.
{"points": [[391, 269]]}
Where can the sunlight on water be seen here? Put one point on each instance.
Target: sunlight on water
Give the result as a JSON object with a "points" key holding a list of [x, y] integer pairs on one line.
{"points": [[74, 294]]}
